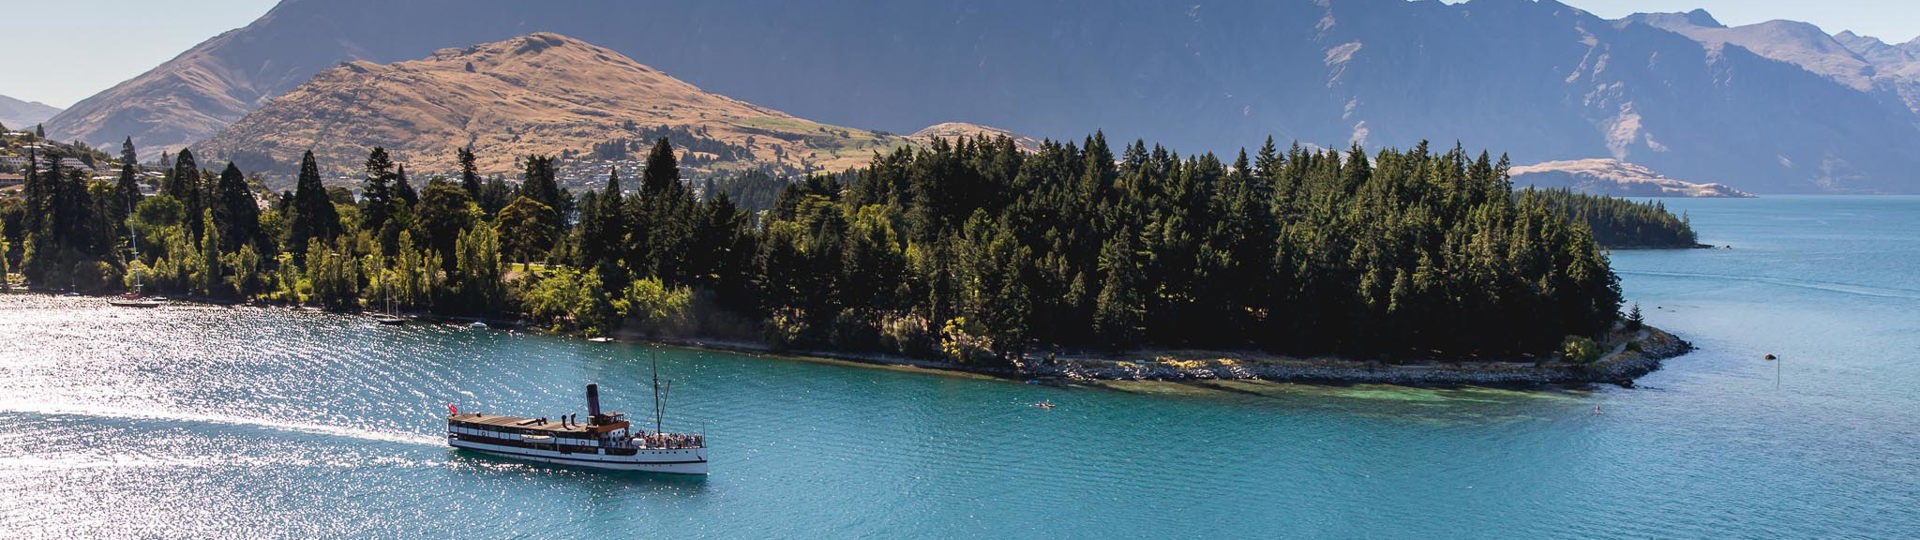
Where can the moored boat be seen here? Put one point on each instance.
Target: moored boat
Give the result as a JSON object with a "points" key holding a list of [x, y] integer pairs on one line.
{"points": [[134, 298], [134, 301], [605, 440]]}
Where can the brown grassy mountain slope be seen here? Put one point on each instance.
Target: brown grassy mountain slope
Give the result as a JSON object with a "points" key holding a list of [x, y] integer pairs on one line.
{"points": [[541, 93]]}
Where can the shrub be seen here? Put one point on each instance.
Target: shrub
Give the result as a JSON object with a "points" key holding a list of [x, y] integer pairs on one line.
{"points": [[656, 308], [1579, 350], [95, 277]]}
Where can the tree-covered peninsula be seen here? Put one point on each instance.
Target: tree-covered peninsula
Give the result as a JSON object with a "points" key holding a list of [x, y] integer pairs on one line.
{"points": [[1620, 223], [969, 250]]}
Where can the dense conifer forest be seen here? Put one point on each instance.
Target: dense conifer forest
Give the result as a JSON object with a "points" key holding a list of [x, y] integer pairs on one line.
{"points": [[969, 250], [1620, 223]]}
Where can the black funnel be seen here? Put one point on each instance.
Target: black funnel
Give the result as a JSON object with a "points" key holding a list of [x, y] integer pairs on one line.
{"points": [[593, 402]]}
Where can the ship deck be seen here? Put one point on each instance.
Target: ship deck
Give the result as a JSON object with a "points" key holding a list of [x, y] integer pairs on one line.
{"points": [[553, 425]]}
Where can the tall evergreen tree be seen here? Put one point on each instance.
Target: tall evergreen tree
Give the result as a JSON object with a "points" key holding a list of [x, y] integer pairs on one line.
{"points": [[663, 169], [183, 183], [129, 185], [314, 220], [377, 197], [469, 173], [1120, 309], [603, 234], [236, 213], [35, 190], [541, 184], [403, 190]]}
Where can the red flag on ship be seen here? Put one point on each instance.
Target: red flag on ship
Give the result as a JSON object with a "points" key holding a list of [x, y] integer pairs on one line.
{"points": [[451, 409]]}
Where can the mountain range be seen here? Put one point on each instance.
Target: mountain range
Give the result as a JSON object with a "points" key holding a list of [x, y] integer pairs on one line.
{"points": [[542, 93], [1601, 176], [18, 114], [1772, 108]]}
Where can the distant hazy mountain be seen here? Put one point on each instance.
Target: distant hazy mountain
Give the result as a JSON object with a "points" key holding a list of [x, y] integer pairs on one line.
{"points": [[1777, 110], [1616, 178], [538, 94], [17, 114], [1863, 63]]}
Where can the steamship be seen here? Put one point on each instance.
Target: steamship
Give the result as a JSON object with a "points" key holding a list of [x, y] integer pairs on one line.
{"points": [[605, 440]]}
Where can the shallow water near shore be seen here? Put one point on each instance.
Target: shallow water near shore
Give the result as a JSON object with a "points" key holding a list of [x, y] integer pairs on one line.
{"points": [[192, 421]]}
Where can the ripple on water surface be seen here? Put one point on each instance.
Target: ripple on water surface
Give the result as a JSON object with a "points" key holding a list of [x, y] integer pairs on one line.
{"points": [[215, 422]]}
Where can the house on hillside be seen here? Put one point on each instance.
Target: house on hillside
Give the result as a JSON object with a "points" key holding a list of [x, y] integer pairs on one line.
{"points": [[76, 163]]}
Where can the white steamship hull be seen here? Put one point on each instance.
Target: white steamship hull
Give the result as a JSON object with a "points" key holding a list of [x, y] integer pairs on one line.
{"points": [[669, 461]]}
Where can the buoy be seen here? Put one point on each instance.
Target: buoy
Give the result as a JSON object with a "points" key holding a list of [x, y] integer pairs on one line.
{"points": [[1770, 356]]}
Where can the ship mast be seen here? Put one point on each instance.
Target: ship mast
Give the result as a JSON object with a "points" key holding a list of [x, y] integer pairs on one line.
{"points": [[658, 402], [133, 237]]}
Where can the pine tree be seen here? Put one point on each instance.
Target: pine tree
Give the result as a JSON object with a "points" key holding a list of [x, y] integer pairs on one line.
{"points": [[1119, 311], [236, 213], [35, 190], [377, 198], [603, 227], [314, 219], [129, 184], [540, 184], [469, 173], [183, 184], [663, 169], [724, 250], [403, 189]]}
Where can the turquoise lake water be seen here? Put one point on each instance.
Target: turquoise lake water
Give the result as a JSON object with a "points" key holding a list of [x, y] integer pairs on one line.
{"points": [[213, 422]]}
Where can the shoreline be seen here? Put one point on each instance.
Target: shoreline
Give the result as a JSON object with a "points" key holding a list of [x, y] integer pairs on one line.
{"points": [[1621, 366]]}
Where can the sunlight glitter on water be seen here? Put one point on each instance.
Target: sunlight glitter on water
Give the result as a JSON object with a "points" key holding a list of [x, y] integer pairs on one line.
{"points": [[199, 422]]}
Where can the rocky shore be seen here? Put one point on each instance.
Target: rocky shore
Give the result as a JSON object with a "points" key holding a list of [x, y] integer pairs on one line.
{"points": [[1629, 360], [1630, 357]]}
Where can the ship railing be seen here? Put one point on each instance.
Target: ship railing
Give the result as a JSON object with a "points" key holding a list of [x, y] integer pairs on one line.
{"points": [[673, 441]]}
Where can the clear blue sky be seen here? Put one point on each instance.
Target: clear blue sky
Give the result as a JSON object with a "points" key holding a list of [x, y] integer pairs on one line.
{"points": [[84, 46]]}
